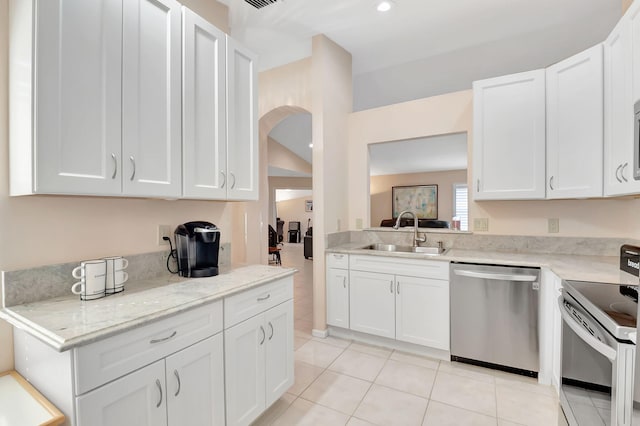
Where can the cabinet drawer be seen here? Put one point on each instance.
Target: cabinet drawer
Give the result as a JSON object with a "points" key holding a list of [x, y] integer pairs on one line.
{"points": [[108, 359], [242, 306], [400, 266], [338, 260]]}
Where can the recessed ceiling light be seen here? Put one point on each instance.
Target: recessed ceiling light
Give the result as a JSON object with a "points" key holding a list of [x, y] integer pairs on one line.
{"points": [[310, 145], [384, 6]]}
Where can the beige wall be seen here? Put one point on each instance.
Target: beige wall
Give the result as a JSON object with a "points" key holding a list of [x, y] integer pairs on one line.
{"points": [[381, 202], [332, 104], [294, 210], [40, 230], [438, 115], [277, 182], [211, 10], [625, 5]]}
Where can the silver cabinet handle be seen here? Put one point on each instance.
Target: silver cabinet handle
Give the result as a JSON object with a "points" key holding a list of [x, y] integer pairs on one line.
{"points": [[398, 287], [133, 163], [164, 339], [115, 165], [271, 327], [262, 299], [622, 172], [175, 373], [618, 173], [551, 183], [224, 180], [160, 389], [338, 256], [233, 185], [344, 282], [391, 286], [264, 335], [478, 185]]}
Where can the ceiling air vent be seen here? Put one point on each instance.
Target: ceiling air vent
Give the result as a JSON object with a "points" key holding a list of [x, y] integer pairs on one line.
{"points": [[259, 4]]}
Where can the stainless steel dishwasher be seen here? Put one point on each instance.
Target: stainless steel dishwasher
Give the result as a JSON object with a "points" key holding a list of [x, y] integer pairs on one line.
{"points": [[494, 316]]}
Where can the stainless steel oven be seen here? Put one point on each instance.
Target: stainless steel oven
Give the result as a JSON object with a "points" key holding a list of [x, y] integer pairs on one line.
{"points": [[636, 143], [598, 353]]}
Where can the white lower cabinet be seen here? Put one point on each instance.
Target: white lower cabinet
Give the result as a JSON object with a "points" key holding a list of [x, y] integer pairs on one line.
{"points": [[402, 299], [422, 311], [184, 389], [258, 362], [372, 303], [338, 297]]}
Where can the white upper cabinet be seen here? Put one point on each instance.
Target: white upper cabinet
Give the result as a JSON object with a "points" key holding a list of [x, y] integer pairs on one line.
{"points": [[575, 126], [621, 88], [509, 137], [204, 143], [65, 125], [151, 98], [242, 130]]}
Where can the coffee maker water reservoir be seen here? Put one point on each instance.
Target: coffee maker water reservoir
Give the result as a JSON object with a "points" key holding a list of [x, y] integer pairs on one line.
{"points": [[197, 246]]}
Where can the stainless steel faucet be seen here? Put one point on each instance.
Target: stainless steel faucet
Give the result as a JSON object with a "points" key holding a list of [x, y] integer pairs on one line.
{"points": [[416, 238]]}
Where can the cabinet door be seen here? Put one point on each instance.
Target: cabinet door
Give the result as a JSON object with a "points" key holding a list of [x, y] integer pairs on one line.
{"points": [[245, 370], [372, 303], [151, 94], [509, 137], [422, 311], [279, 351], [618, 111], [78, 99], [575, 126], [338, 297], [137, 399], [195, 384], [242, 123], [204, 138]]}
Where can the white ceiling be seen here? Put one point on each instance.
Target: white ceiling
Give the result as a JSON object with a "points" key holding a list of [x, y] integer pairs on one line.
{"points": [[420, 48], [436, 153], [294, 132], [412, 30]]}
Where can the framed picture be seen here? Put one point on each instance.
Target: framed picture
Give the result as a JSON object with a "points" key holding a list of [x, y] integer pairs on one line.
{"points": [[308, 205], [422, 199]]}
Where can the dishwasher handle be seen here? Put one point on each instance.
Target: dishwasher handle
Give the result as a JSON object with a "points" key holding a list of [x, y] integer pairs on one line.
{"points": [[584, 335], [494, 276]]}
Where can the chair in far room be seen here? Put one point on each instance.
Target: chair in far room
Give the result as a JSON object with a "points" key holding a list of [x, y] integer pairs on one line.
{"points": [[274, 247]]}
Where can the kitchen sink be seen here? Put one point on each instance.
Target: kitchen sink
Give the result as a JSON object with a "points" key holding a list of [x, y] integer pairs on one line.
{"points": [[433, 251]]}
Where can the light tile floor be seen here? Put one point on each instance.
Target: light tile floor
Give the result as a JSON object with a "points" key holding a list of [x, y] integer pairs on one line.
{"points": [[338, 382]]}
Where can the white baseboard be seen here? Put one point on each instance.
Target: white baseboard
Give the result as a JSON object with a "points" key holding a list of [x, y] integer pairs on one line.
{"points": [[320, 333]]}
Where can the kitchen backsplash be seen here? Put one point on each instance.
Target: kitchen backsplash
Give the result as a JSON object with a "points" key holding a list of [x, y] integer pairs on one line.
{"points": [[507, 243], [46, 282]]}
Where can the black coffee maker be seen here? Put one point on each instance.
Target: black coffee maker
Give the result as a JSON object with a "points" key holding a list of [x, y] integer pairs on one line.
{"points": [[197, 246]]}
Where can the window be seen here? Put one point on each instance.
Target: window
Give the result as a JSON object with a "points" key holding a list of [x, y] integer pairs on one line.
{"points": [[461, 204]]}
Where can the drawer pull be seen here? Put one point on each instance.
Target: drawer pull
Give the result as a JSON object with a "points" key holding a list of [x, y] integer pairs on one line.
{"points": [[164, 339], [160, 389], [391, 286], [175, 373], [264, 335], [398, 287], [271, 327], [344, 282], [338, 256], [262, 299]]}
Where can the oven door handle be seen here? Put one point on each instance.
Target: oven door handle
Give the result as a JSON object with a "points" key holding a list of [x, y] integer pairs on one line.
{"points": [[596, 344]]}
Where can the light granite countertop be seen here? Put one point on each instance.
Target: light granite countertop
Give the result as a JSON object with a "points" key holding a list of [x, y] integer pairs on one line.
{"points": [[67, 322], [603, 269]]}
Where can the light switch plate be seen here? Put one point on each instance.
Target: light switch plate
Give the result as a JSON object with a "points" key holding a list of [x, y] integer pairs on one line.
{"points": [[554, 226], [481, 224], [358, 223]]}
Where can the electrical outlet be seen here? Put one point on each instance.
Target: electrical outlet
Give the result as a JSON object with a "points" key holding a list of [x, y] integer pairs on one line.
{"points": [[554, 225], [358, 223], [481, 224], [163, 231]]}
